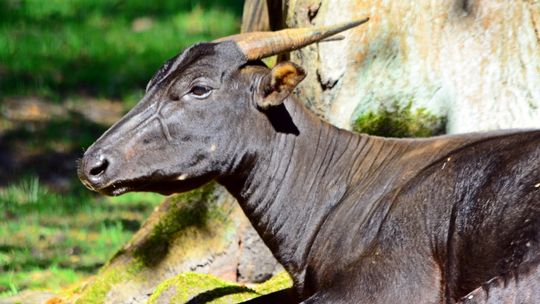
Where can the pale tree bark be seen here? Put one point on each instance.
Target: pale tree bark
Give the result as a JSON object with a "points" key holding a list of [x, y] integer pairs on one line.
{"points": [[476, 63]]}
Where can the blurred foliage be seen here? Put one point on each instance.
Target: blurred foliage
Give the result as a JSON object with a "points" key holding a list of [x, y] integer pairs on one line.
{"points": [[69, 132], [88, 54], [100, 47]]}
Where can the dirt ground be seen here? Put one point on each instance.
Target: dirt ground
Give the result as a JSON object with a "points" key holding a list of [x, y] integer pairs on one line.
{"points": [[46, 139]]}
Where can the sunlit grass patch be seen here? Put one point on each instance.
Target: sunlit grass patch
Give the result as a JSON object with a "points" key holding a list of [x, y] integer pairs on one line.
{"points": [[65, 236], [106, 47], [53, 278]]}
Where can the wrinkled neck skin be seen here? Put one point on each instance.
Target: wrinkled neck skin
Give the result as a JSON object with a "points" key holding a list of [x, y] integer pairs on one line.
{"points": [[291, 184]]}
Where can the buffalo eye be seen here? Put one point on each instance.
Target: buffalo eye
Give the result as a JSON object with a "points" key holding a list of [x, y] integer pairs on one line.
{"points": [[200, 91]]}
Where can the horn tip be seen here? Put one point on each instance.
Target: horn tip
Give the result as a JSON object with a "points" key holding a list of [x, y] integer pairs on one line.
{"points": [[348, 25], [359, 21]]}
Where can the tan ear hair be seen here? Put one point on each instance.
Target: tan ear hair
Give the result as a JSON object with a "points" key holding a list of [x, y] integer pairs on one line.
{"points": [[283, 78]]}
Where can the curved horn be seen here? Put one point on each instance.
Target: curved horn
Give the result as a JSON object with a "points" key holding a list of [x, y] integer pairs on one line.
{"points": [[258, 45]]}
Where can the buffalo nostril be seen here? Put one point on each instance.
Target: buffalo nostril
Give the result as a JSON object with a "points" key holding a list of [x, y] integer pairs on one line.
{"points": [[100, 167]]}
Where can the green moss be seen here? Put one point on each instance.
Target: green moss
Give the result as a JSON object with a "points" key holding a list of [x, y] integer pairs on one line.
{"points": [[186, 214], [105, 280], [280, 281], [397, 120], [188, 210], [55, 47], [203, 288]]}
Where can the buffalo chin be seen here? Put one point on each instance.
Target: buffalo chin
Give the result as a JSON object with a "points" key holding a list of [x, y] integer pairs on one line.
{"points": [[163, 186]]}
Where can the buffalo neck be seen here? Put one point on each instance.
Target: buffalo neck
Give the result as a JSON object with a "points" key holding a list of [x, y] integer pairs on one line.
{"points": [[294, 181]]}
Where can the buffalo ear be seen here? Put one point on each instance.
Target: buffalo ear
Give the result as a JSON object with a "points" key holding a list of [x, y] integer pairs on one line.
{"points": [[279, 84]]}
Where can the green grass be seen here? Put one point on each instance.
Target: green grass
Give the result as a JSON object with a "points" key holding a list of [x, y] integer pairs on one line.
{"points": [[49, 240], [100, 47], [62, 50]]}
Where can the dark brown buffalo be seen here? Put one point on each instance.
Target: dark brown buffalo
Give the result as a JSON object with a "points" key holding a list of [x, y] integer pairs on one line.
{"points": [[353, 218]]}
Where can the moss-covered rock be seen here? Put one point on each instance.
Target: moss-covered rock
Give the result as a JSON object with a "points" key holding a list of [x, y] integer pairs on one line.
{"points": [[103, 282], [280, 281], [202, 288], [397, 120], [203, 231], [190, 210]]}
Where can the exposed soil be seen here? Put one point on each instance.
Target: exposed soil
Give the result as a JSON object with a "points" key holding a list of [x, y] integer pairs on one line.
{"points": [[46, 139], [30, 297]]}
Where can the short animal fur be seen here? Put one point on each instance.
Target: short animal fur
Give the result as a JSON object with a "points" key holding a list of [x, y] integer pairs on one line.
{"points": [[353, 218]]}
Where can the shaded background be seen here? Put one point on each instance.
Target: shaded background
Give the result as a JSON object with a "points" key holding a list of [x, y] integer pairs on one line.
{"points": [[69, 69]]}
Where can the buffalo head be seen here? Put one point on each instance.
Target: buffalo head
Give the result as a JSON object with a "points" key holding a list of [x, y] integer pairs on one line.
{"points": [[203, 115]]}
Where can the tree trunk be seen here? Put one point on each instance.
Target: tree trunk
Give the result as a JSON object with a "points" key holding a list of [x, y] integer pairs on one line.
{"points": [[474, 65]]}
